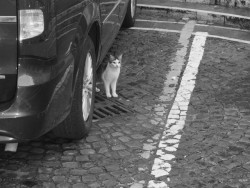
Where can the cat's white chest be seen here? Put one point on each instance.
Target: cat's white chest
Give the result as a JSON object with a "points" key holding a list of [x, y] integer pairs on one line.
{"points": [[110, 74]]}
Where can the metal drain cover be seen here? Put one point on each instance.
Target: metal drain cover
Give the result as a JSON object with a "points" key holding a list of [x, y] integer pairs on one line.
{"points": [[105, 108]]}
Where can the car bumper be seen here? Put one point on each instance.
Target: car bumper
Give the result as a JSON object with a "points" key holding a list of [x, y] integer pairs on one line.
{"points": [[36, 109]]}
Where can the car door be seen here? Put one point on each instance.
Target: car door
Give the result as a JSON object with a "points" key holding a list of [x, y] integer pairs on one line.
{"points": [[68, 13], [123, 9], [109, 18], [8, 49]]}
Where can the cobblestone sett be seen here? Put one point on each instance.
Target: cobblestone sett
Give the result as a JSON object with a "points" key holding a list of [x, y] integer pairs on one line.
{"points": [[61, 171], [54, 164], [111, 168], [87, 151], [37, 150], [118, 147], [67, 158], [48, 185], [95, 170], [74, 179], [83, 158], [103, 150], [70, 164], [79, 185], [124, 139], [45, 170], [63, 185], [124, 153], [78, 172], [88, 178], [59, 179], [70, 152], [92, 138], [94, 185], [43, 177]]}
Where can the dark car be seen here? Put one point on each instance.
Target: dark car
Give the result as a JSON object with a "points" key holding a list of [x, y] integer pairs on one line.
{"points": [[49, 53]]}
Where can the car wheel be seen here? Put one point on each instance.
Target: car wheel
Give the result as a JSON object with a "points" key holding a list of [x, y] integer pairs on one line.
{"points": [[78, 122], [129, 19]]}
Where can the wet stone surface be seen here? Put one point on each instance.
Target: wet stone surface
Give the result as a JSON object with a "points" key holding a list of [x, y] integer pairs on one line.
{"points": [[119, 151], [214, 148]]}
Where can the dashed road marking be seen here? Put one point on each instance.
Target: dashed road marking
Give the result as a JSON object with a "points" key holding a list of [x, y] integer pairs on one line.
{"points": [[170, 140]]}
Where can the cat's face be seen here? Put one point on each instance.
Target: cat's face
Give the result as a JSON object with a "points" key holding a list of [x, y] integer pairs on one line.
{"points": [[115, 62]]}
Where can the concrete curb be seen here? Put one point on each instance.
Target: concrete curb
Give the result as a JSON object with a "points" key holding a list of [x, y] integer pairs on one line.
{"points": [[220, 18]]}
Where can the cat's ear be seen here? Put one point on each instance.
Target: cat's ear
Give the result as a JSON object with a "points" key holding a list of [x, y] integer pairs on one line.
{"points": [[111, 57], [120, 57]]}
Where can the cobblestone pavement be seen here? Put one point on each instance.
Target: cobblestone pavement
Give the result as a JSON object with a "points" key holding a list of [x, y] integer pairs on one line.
{"points": [[120, 150], [215, 147]]}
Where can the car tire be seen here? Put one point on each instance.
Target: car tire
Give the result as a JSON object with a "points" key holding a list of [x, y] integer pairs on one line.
{"points": [[129, 19], [78, 122]]}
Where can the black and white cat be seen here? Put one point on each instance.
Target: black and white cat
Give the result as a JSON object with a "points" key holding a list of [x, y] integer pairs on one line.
{"points": [[110, 75]]}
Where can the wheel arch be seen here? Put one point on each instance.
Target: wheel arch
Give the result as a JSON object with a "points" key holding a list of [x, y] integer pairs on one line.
{"points": [[90, 25], [95, 35]]}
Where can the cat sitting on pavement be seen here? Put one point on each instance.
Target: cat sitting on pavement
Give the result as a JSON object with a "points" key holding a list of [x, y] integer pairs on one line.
{"points": [[110, 74]]}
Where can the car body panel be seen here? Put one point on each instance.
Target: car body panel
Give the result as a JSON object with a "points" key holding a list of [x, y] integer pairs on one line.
{"points": [[110, 23], [109, 17], [8, 43], [123, 9]]}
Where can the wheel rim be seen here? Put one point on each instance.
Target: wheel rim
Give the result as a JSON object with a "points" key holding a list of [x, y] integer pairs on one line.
{"points": [[132, 8], [87, 89]]}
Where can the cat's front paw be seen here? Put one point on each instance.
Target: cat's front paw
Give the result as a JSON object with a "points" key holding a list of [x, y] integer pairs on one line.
{"points": [[108, 95], [97, 89], [114, 95]]}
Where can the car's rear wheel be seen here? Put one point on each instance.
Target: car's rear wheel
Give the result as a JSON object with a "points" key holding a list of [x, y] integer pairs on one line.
{"points": [[129, 19], [79, 121]]}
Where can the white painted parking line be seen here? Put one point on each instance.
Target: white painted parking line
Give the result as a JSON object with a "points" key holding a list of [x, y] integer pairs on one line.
{"points": [[182, 23], [155, 29], [231, 39], [192, 10], [159, 21], [176, 118], [222, 27], [177, 31]]}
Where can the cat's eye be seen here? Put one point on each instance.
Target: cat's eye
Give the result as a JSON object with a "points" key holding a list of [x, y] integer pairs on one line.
{"points": [[115, 62]]}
